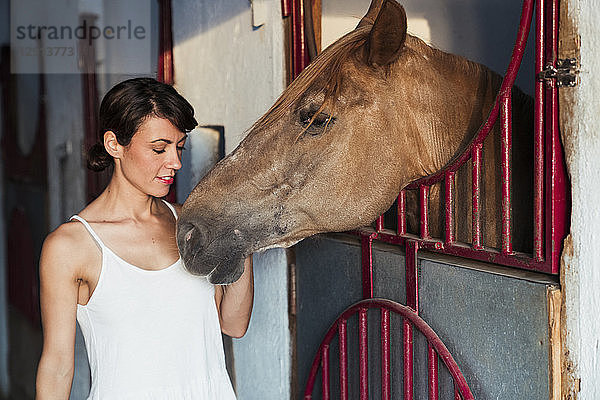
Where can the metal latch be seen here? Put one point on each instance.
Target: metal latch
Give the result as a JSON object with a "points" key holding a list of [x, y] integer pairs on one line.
{"points": [[565, 72]]}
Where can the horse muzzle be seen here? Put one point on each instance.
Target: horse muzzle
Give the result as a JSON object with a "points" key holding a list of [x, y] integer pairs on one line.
{"points": [[219, 257]]}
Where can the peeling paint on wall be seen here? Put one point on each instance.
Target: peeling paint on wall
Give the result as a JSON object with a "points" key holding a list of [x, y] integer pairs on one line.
{"points": [[580, 128]]}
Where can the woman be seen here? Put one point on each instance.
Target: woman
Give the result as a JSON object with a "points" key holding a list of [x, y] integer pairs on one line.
{"points": [[152, 330]]}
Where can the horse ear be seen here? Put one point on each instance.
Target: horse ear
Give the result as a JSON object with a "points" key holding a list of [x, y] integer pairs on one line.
{"points": [[371, 14], [388, 34]]}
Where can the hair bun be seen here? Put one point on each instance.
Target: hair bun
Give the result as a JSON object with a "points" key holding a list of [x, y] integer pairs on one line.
{"points": [[98, 158]]}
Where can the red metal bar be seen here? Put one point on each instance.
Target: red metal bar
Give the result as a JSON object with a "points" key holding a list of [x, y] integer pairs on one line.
{"points": [[165, 71], [343, 347], [449, 203], [312, 377], [325, 372], [300, 58], [385, 355], [166, 68], [286, 8], [490, 255], [506, 123], [456, 393], [408, 359], [556, 178], [558, 200], [476, 196], [402, 213], [412, 301], [412, 283], [424, 203], [538, 132], [366, 242], [379, 224], [363, 345], [432, 373]]}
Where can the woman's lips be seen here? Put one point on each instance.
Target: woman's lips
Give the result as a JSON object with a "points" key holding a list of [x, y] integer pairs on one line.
{"points": [[167, 180]]}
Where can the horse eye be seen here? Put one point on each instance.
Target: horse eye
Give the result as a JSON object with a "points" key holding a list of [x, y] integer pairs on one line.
{"points": [[318, 124]]}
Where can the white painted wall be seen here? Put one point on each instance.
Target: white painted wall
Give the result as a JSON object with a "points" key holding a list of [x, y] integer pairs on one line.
{"points": [[229, 63], [262, 356], [581, 278], [229, 70]]}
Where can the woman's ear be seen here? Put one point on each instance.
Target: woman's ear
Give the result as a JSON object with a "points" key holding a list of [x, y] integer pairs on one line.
{"points": [[111, 145]]}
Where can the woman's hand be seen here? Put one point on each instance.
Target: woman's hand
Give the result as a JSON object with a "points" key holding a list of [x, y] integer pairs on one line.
{"points": [[234, 302]]}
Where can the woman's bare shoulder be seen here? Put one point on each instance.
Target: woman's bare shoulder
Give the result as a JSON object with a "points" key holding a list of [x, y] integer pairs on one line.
{"points": [[68, 245]]}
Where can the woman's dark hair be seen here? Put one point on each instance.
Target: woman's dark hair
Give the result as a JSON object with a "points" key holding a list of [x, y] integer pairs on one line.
{"points": [[127, 105]]}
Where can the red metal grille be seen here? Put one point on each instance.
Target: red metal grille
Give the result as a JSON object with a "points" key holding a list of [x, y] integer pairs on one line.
{"points": [[436, 349], [550, 188]]}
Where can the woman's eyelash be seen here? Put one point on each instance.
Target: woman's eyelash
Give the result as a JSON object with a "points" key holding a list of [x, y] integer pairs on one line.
{"points": [[160, 151]]}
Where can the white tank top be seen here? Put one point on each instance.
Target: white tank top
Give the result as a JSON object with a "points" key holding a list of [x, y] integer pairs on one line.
{"points": [[152, 334]]}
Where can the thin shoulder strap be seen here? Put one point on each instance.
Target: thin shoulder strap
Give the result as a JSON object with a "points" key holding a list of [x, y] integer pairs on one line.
{"points": [[90, 230], [171, 208]]}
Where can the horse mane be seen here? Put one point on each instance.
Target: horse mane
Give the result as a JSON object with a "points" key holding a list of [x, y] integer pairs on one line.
{"points": [[327, 66]]}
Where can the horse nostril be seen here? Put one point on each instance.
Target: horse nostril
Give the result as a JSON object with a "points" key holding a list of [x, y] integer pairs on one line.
{"points": [[188, 237]]}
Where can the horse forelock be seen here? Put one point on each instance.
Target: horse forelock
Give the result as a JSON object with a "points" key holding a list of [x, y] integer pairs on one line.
{"points": [[326, 67]]}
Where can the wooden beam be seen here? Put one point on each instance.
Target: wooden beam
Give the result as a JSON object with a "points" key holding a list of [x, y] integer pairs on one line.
{"points": [[554, 352]]}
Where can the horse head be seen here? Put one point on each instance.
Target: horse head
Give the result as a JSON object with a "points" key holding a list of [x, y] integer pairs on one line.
{"points": [[372, 112]]}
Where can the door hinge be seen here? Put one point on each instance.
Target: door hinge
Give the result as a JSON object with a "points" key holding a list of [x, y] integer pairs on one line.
{"points": [[565, 72]]}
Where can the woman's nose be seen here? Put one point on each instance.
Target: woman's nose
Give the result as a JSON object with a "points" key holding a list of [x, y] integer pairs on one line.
{"points": [[174, 161]]}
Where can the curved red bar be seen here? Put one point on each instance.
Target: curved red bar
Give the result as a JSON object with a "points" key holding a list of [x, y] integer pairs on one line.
{"points": [[408, 314]]}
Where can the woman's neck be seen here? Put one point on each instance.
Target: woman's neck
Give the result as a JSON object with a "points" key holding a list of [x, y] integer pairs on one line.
{"points": [[121, 200]]}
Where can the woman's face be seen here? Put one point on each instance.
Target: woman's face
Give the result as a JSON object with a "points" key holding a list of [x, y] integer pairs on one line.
{"points": [[153, 156]]}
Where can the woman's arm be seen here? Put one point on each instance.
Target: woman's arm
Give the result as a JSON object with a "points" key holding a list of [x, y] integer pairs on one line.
{"points": [[58, 300], [234, 302]]}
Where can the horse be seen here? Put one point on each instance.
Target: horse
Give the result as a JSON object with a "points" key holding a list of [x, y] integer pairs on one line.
{"points": [[374, 111]]}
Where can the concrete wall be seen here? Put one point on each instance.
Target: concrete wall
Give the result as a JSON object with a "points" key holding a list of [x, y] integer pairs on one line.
{"points": [[580, 128], [229, 63]]}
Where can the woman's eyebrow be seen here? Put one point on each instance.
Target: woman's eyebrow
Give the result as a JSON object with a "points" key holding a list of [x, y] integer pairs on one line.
{"points": [[167, 141]]}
